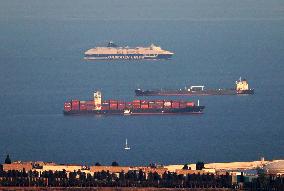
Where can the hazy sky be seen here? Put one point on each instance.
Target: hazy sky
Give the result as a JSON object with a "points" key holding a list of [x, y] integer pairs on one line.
{"points": [[143, 9]]}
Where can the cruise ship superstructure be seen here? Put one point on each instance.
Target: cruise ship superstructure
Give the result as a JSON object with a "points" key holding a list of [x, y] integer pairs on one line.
{"points": [[114, 52]]}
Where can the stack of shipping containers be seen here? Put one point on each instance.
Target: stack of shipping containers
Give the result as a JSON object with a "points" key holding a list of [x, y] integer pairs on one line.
{"points": [[121, 105], [90, 105], [144, 104], [67, 106], [105, 105], [113, 104], [75, 104], [83, 105], [136, 104]]}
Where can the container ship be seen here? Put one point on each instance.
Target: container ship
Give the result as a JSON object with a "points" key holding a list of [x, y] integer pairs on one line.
{"points": [[114, 52], [241, 88], [136, 107]]}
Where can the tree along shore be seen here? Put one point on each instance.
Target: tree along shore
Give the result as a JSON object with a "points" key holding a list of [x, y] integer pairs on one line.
{"points": [[132, 179], [110, 189]]}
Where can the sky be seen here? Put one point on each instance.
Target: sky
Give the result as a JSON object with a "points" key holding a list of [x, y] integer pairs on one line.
{"points": [[195, 10]]}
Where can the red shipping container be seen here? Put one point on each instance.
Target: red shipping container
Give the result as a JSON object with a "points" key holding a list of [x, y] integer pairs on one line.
{"points": [[190, 104], [113, 106], [75, 104], [136, 106], [182, 105], [128, 105], [67, 106], [83, 106], [144, 106], [121, 107], [105, 107], [175, 105], [161, 103], [90, 108], [90, 105], [159, 106], [75, 107], [167, 104]]}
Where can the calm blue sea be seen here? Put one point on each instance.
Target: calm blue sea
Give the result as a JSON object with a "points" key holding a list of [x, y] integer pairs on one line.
{"points": [[215, 42]]}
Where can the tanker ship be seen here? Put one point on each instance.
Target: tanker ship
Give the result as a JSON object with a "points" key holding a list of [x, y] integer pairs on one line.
{"points": [[97, 106], [114, 52], [241, 88]]}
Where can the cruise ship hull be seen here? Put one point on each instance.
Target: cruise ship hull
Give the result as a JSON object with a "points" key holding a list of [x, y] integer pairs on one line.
{"points": [[127, 57]]}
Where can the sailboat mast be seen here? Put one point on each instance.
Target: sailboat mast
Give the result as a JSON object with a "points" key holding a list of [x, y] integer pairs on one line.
{"points": [[126, 146]]}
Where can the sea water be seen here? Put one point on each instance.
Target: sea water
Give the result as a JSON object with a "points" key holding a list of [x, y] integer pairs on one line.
{"points": [[41, 66]]}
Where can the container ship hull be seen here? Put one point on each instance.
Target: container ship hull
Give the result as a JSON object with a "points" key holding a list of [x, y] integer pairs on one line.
{"points": [[97, 106], [140, 92], [164, 111]]}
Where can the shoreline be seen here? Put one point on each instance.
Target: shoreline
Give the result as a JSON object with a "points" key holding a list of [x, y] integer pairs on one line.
{"points": [[110, 189]]}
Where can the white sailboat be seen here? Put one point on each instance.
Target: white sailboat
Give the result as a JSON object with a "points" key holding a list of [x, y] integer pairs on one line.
{"points": [[126, 146]]}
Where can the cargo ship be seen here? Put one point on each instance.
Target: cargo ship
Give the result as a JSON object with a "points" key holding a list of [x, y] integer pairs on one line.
{"points": [[241, 88], [97, 106], [115, 52]]}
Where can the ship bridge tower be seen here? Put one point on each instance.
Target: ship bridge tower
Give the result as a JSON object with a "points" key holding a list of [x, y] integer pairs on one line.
{"points": [[98, 100], [242, 84]]}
